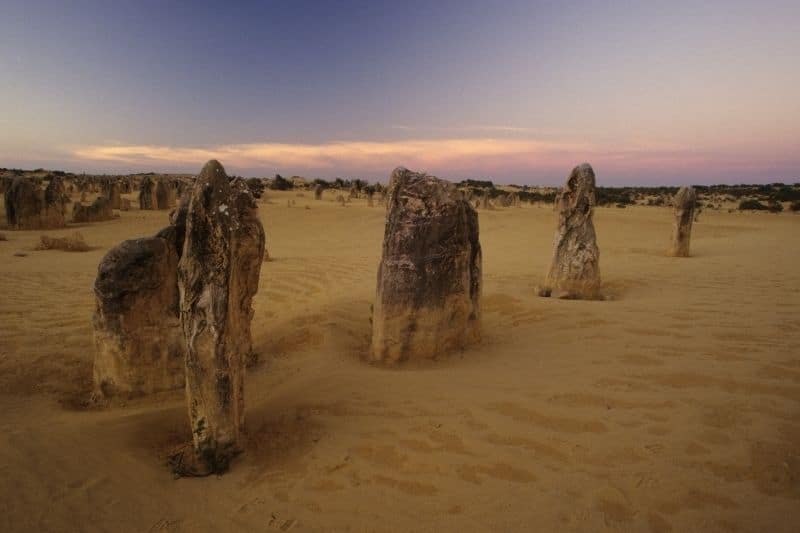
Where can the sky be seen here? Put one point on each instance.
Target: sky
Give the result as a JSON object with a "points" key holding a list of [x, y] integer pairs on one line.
{"points": [[649, 93]]}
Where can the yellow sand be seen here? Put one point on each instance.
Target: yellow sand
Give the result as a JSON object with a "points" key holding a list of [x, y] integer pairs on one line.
{"points": [[673, 407]]}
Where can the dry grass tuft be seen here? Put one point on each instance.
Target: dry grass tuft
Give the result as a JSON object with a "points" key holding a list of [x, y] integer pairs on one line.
{"points": [[72, 243]]}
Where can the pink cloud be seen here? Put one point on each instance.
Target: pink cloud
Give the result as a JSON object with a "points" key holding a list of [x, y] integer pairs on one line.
{"points": [[481, 156]]}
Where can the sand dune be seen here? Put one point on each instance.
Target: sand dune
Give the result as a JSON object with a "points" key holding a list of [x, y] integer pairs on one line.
{"points": [[672, 406]]}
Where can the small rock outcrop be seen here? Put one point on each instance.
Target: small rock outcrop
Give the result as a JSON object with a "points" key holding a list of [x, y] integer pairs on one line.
{"points": [[97, 212], [429, 279], [218, 276], [575, 269], [683, 208], [28, 206]]}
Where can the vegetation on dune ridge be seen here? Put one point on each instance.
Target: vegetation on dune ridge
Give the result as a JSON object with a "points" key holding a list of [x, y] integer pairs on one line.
{"points": [[773, 197]]}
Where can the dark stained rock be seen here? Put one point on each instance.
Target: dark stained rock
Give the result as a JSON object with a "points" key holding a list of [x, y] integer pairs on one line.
{"points": [[165, 194], [139, 343], [147, 194], [218, 276], [429, 279], [575, 269], [28, 206], [112, 191], [97, 212]]}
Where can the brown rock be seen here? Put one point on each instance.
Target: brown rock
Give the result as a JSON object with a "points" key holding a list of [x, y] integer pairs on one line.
{"points": [[139, 343], [112, 191], [147, 194], [683, 208], [99, 210], [165, 194], [429, 279], [218, 276], [30, 207], [575, 270]]}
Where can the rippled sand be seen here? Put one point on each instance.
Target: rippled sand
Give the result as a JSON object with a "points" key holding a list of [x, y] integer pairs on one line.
{"points": [[673, 406]]}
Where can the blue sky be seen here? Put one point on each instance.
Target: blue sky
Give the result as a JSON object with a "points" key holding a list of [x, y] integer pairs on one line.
{"points": [[684, 92]]}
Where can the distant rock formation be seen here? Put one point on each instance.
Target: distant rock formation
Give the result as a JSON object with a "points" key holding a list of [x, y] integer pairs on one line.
{"points": [[29, 207], [575, 269], [5, 183], [112, 191], [182, 186], [429, 279], [99, 210], [256, 187], [165, 194], [218, 276], [139, 343], [683, 208], [147, 194]]}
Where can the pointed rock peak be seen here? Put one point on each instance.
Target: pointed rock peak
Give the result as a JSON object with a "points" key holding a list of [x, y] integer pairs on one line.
{"points": [[212, 170], [398, 172]]}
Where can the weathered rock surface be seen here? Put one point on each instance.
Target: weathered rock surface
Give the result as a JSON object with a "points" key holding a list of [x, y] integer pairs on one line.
{"points": [[139, 343], [165, 194], [683, 208], [147, 194], [575, 269], [218, 276], [97, 212], [28, 206], [429, 279], [112, 191]]}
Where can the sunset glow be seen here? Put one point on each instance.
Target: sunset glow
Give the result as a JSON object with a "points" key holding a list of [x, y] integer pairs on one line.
{"points": [[690, 93]]}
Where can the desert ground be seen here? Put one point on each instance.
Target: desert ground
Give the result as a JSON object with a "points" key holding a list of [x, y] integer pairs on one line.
{"points": [[674, 405]]}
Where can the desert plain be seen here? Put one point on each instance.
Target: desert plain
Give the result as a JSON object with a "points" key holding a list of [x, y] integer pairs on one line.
{"points": [[672, 405]]}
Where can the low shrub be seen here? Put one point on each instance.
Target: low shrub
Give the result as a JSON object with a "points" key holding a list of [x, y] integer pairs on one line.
{"points": [[751, 205], [775, 207], [71, 243]]}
